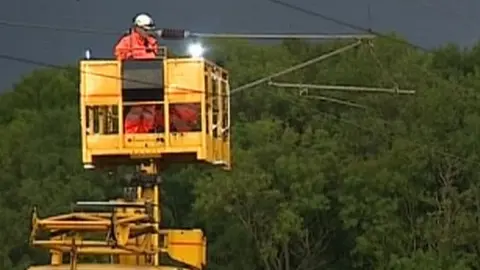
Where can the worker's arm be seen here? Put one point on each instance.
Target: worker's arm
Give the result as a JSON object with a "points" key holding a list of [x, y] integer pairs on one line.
{"points": [[123, 48], [153, 45]]}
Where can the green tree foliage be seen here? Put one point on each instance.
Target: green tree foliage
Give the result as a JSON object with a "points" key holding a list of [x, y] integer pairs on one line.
{"points": [[315, 184]]}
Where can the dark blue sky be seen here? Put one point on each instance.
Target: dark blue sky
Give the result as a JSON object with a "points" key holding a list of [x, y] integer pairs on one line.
{"points": [[426, 22]]}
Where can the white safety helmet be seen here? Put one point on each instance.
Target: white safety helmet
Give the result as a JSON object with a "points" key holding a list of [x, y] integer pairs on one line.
{"points": [[144, 21]]}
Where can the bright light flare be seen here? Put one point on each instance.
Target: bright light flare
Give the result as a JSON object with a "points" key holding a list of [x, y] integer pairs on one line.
{"points": [[196, 50]]}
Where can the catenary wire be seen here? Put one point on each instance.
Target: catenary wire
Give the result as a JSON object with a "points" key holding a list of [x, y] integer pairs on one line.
{"points": [[265, 36], [444, 153], [364, 128], [344, 23], [370, 31], [247, 85], [53, 66], [285, 4], [214, 35], [7, 23], [94, 31]]}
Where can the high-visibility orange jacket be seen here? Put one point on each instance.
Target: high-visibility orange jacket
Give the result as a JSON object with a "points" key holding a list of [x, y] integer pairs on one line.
{"points": [[134, 46], [148, 118]]}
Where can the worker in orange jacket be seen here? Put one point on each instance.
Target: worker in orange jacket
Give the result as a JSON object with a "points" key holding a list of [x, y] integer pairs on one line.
{"points": [[139, 42]]}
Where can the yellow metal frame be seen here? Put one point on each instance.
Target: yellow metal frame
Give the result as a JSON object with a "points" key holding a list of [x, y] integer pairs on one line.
{"points": [[134, 240], [129, 234]]}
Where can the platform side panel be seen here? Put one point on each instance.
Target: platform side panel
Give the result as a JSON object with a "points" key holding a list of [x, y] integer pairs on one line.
{"points": [[184, 80], [222, 86], [226, 129], [86, 157], [209, 108], [204, 115], [101, 79], [100, 99], [219, 114], [184, 95]]}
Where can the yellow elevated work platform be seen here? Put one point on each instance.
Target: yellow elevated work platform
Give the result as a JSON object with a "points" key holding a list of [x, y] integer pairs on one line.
{"points": [[149, 113], [185, 104]]}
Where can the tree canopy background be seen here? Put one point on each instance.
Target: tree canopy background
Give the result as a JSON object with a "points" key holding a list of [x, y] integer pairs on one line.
{"points": [[315, 185]]}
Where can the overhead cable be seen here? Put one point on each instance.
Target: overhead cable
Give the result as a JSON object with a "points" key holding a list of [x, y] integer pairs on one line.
{"points": [[344, 23], [7, 23]]}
